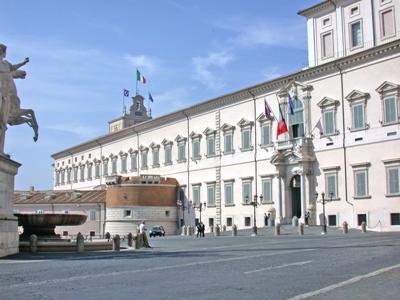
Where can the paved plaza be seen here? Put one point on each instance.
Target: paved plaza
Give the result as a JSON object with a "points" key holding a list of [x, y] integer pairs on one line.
{"points": [[334, 266]]}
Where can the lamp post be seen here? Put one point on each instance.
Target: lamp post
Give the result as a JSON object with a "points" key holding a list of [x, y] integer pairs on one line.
{"points": [[255, 204], [201, 206], [323, 201]]}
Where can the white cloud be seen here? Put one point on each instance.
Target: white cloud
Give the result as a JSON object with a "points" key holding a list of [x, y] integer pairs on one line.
{"points": [[204, 65], [271, 73], [171, 100], [142, 61], [76, 129]]}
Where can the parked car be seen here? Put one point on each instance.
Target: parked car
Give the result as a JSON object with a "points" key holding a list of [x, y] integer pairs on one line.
{"points": [[157, 231]]}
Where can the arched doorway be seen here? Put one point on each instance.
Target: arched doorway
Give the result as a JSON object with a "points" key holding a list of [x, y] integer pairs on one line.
{"points": [[295, 187]]}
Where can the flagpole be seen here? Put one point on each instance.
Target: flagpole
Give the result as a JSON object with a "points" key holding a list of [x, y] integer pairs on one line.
{"points": [[136, 81], [123, 102]]}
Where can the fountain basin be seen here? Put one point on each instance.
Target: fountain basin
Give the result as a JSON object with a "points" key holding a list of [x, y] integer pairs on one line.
{"points": [[43, 225]]}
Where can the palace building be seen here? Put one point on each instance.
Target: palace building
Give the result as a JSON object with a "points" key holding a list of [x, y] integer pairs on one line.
{"points": [[343, 118]]}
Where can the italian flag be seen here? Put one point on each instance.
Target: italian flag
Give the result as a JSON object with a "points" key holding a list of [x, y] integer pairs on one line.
{"points": [[140, 77]]}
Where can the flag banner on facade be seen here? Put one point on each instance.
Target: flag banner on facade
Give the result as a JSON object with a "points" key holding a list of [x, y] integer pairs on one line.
{"points": [[319, 127], [151, 97], [126, 93], [267, 110], [291, 104], [282, 127], [140, 77]]}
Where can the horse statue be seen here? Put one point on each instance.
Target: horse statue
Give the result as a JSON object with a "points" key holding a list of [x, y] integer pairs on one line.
{"points": [[11, 112]]}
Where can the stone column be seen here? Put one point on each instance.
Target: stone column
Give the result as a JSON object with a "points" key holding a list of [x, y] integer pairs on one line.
{"points": [[9, 240], [303, 197], [279, 209]]}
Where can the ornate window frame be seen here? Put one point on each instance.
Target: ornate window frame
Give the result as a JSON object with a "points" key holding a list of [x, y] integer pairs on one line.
{"points": [[155, 148], [328, 172], [167, 146], [181, 142], [211, 135], [124, 161], [265, 122], [386, 90], [228, 130], [361, 168], [144, 163], [329, 105], [356, 98], [246, 125], [133, 154], [195, 138]]}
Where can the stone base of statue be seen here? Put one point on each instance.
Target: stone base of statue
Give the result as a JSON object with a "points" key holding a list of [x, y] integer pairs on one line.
{"points": [[9, 239]]}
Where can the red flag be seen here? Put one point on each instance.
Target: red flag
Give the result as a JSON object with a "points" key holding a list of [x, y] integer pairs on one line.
{"points": [[267, 110], [282, 128]]}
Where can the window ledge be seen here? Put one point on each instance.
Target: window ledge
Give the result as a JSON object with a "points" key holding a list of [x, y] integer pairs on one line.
{"points": [[155, 166], [97, 177], [390, 124], [210, 206], [168, 163], [358, 129], [264, 146], [133, 170], [247, 149], [229, 205], [229, 152], [181, 161], [123, 172], [211, 155], [361, 197], [392, 195], [330, 134], [267, 202], [196, 158], [144, 168]]}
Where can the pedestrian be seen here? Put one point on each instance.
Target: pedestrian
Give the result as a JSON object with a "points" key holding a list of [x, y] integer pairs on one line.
{"points": [[307, 218], [203, 228], [265, 219], [142, 230], [199, 228]]}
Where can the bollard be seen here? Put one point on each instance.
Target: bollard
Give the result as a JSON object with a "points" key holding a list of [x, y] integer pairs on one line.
{"points": [[277, 229], [301, 229], [80, 243], [345, 227], [108, 236], [217, 231], [184, 230], [295, 221], [224, 228], [130, 239], [33, 243], [234, 230], [116, 243], [363, 227]]}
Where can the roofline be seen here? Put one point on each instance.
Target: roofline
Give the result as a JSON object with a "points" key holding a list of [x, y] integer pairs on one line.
{"points": [[214, 103], [315, 8]]}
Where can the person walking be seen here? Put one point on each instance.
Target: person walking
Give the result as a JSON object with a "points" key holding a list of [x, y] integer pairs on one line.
{"points": [[203, 228], [142, 230], [199, 228]]}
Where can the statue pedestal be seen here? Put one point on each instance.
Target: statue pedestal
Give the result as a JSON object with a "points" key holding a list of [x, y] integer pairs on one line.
{"points": [[9, 239]]}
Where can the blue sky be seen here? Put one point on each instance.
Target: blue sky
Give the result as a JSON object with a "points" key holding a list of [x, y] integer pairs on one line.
{"points": [[84, 53]]}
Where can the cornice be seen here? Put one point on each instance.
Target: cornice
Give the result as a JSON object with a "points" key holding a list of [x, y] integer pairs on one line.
{"points": [[240, 95], [307, 12]]}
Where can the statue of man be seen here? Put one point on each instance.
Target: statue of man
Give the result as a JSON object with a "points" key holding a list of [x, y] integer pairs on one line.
{"points": [[8, 72]]}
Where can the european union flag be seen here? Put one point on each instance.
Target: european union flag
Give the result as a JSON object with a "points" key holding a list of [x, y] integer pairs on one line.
{"points": [[150, 97], [291, 104]]}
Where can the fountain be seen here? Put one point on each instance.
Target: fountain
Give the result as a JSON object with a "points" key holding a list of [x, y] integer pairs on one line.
{"points": [[43, 225]]}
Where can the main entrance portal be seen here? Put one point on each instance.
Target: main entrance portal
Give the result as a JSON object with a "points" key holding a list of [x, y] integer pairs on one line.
{"points": [[296, 196]]}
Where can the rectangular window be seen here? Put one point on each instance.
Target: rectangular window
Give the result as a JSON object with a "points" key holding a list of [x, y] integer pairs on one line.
{"points": [[123, 164], [57, 177], [267, 190], [361, 218], [196, 149], [228, 193], [92, 215], [329, 122], [327, 45], [210, 145], [246, 192], [127, 213], [114, 166], [82, 174], [332, 220], [133, 163], [356, 34], [168, 155], [229, 222], [211, 222], [246, 139], [266, 134], [144, 160], [358, 116], [361, 183], [62, 177], [196, 195], [89, 172], [105, 168], [69, 176], [390, 109], [228, 143], [181, 152], [97, 170], [393, 175], [210, 195], [156, 161], [76, 174], [331, 185], [388, 27], [247, 221], [395, 219]]}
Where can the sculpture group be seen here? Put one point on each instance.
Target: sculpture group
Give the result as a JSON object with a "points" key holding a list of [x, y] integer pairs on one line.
{"points": [[11, 112]]}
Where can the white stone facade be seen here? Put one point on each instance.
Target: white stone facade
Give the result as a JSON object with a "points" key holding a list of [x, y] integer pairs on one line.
{"points": [[344, 138]]}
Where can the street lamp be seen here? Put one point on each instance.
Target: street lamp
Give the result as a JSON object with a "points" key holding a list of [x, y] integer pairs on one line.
{"points": [[323, 208], [201, 207], [255, 204]]}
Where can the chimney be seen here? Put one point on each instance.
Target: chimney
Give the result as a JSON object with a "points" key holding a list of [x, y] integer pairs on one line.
{"points": [[31, 188]]}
